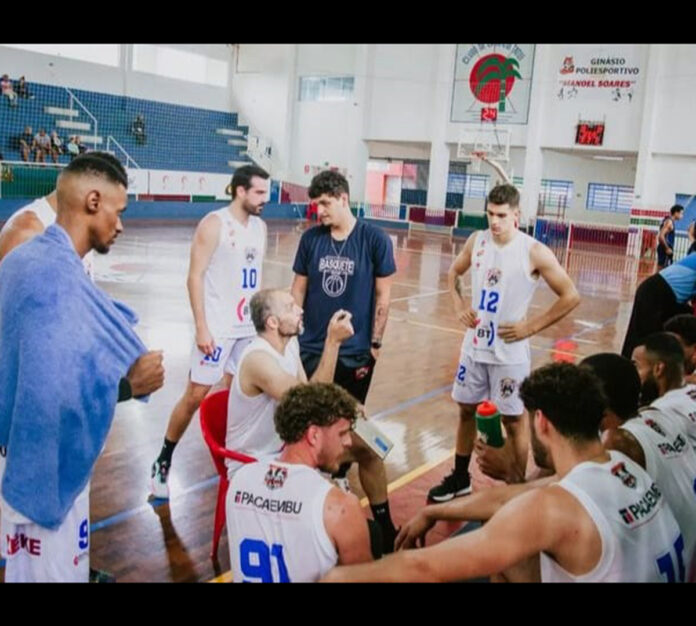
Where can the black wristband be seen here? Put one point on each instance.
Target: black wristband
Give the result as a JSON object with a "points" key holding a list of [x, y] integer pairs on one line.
{"points": [[125, 391], [376, 344]]}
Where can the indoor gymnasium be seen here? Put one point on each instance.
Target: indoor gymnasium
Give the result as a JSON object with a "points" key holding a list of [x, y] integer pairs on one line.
{"points": [[347, 312]]}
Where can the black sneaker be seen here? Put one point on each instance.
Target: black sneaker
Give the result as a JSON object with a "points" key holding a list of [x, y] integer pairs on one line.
{"points": [[452, 486]]}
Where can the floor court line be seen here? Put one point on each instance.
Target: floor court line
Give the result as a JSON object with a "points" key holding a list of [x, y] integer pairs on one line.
{"points": [[420, 295], [124, 515], [285, 264], [461, 332]]}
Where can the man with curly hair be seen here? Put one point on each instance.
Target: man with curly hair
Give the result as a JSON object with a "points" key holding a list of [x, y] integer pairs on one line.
{"points": [[602, 520], [286, 523]]}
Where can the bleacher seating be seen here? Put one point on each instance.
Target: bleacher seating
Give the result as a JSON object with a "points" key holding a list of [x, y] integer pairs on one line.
{"points": [[178, 137]]}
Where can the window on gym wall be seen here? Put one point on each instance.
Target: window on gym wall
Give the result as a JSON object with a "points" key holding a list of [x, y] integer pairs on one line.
{"points": [[180, 64], [556, 193], [326, 88], [475, 185], [102, 53], [615, 198]]}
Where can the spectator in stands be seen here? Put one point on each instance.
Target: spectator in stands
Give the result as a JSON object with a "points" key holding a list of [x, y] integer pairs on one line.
{"points": [[56, 146], [22, 89], [71, 147], [82, 148], [7, 90], [138, 129], [42, 145], [26, 143]]}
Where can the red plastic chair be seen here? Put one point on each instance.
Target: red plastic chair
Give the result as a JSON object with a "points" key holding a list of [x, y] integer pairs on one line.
{"points": [[213, 414]]}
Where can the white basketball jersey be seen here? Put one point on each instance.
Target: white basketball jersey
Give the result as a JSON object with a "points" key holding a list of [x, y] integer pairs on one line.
{"points": [[680, 405], [234, 276], [641, 540], [39, 207], [671, 462], [47, 216], [502, 286], [250, 425], [275, 521]]}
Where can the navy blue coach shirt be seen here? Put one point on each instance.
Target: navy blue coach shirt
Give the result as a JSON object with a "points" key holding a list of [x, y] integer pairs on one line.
{"points": [[341, 275]]}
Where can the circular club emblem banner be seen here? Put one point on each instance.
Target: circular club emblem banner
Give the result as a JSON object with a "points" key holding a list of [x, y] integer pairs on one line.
{"points": [[492, 83]]}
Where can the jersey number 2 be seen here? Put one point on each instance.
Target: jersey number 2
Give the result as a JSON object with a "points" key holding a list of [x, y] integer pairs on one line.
{"points": [[255, 561]]}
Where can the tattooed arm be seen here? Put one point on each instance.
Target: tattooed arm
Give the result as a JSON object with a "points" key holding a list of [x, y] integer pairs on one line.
{"points": [[382, 299]]}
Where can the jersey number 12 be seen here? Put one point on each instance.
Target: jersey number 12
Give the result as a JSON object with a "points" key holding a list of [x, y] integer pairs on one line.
{"points": [[489, 301]]}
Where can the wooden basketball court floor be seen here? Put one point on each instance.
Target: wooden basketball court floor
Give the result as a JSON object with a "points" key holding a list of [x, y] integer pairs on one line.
{"points": [[170, 541]]}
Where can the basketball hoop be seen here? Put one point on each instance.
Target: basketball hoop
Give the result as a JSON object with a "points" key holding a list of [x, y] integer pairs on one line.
{"points": [[493, 143], [477, 157]]}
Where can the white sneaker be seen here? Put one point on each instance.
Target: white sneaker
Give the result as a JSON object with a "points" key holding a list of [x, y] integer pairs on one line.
{"points": [[158, 482]]}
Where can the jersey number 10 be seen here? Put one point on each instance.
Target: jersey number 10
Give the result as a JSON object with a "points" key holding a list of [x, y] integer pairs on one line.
{"points": [[248, 278]]}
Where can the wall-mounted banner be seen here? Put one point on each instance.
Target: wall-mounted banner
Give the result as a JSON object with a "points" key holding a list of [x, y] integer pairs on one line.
{"points": [[598, 73], [138, 181], [189, 183], [492, 82]]}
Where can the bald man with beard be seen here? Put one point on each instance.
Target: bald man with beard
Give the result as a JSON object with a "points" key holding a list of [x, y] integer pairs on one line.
{"points": [[65, 346]]}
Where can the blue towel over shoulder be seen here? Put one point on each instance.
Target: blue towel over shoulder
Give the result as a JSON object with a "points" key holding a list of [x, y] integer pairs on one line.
{"points": [[64, 346]]}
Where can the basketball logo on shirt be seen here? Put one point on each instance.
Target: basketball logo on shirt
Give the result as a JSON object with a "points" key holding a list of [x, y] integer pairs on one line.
{"points": [[507, 387], [250, 254], [493, 277], [335, 272], [619, 470], [275, 477]]}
